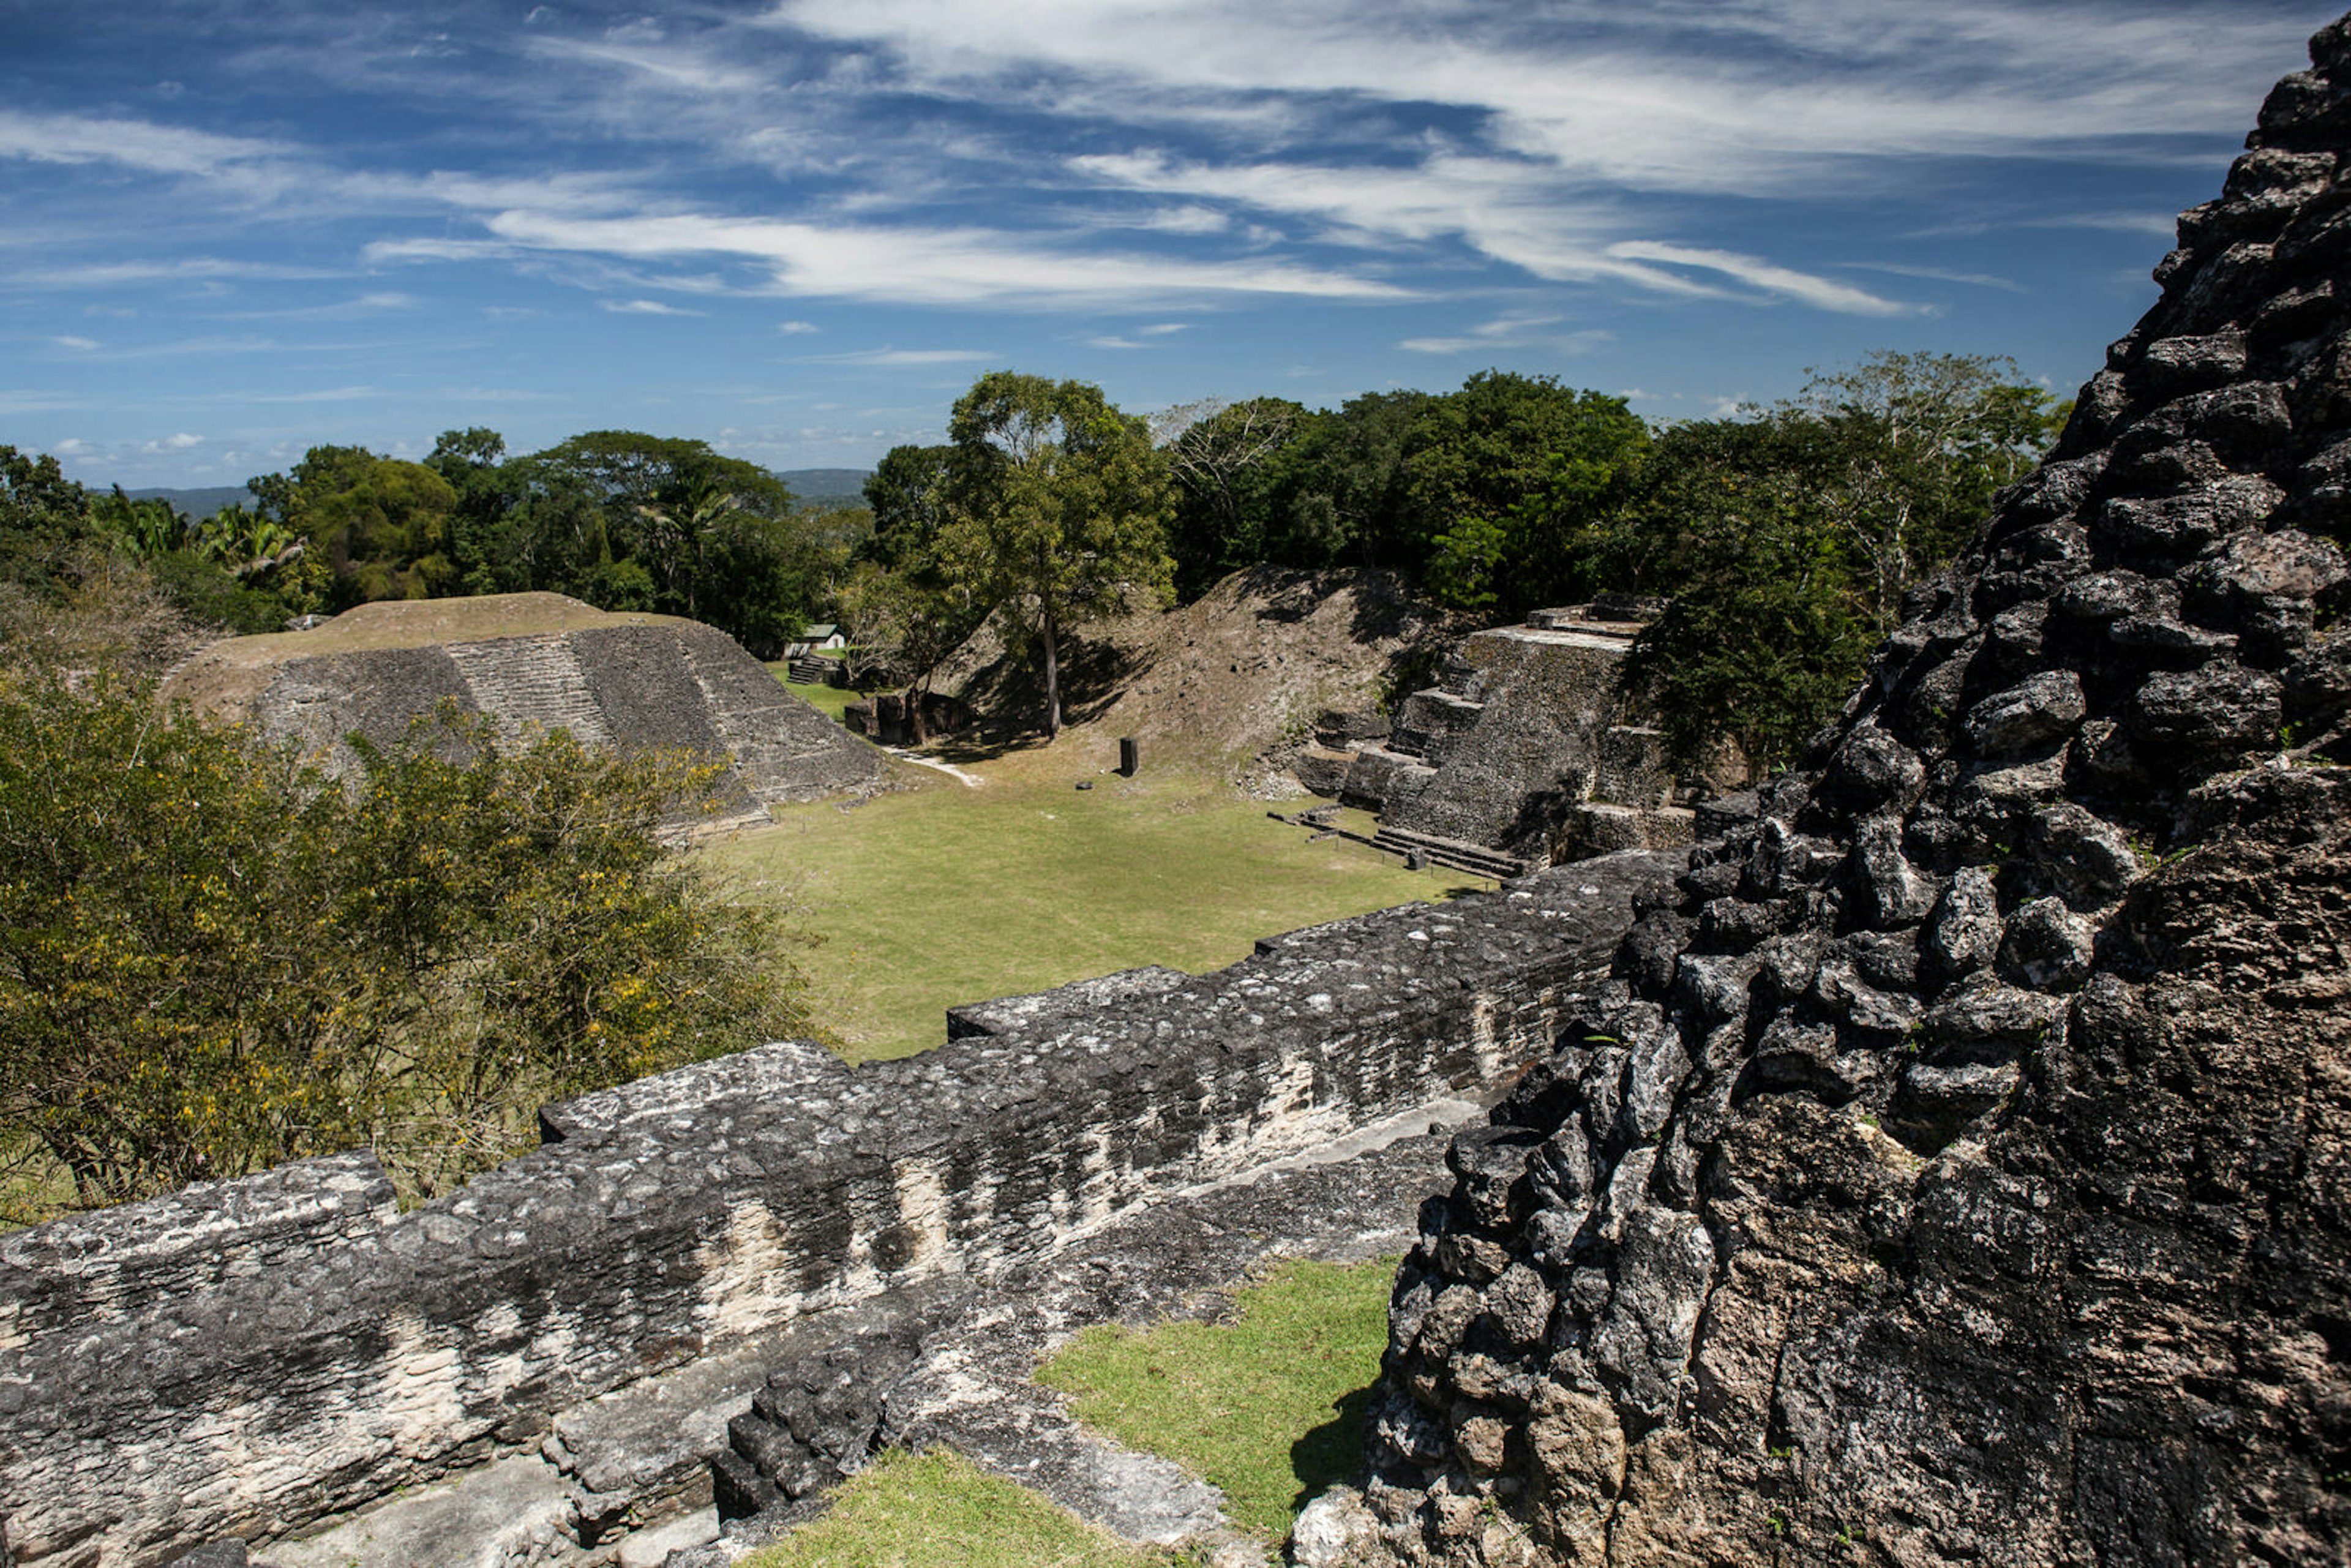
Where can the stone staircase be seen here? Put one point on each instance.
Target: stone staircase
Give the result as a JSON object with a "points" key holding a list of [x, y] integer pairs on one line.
{"points": [[1478, 860], [532, 681], [1517, 711]]}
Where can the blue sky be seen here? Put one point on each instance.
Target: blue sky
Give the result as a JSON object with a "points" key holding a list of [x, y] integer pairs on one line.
{"points": [[799, 228]]}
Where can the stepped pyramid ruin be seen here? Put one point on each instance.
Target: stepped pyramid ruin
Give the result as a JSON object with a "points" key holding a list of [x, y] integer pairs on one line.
{"points": [[1958, 1168], [534, 660], [1524, 754]]}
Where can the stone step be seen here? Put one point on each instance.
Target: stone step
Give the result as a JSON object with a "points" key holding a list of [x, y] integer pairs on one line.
{"points": [[1430, 721], [1480, 859], [1343, 730], [1603, 827], [1633, 768], [532, 681], [1322, 770]]}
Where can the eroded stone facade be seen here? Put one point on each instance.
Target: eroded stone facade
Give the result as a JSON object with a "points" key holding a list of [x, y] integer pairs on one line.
{"points": [[1959, 1167]]}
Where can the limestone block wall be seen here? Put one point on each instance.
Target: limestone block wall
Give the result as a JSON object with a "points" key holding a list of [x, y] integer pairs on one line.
{"points": [[246, 1357], [1526, 749]]}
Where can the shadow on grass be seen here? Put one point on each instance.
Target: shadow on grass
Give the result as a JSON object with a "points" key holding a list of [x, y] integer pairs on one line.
{"points": [[1333, 1452], [983, 744]]}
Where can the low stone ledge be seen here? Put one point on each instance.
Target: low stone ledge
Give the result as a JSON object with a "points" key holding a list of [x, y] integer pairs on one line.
{"points": [[90, 1267], [1078, 1000], [677, 1217]]}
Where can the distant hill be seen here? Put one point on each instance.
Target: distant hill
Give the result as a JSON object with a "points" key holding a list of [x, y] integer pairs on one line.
{"points": [[823, 486], [201, 503], [828, 485]]}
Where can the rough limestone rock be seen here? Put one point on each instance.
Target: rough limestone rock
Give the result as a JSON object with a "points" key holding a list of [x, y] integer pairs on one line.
{"points": [[534, 660], [1959, 1169]]}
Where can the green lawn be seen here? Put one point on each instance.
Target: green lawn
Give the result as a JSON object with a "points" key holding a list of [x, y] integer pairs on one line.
{"points": [[826, 700], [1268, 1408], [939, 1511], [938, 893]]}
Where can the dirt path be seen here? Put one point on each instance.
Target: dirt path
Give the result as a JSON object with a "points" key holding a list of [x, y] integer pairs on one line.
{"points": [[968, 780]]}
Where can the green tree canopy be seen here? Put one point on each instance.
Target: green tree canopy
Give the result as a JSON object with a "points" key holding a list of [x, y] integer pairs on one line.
{"points": [[1222, 456], [386, 531], [1499, 477], [904, 612], [1337, 489], [45, 521], [1787, 539], [1060, 500]]}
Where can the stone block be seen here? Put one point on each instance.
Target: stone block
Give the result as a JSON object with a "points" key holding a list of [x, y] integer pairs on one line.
{"points": [[1322, 771], [1379, 778], [1633, 769]]}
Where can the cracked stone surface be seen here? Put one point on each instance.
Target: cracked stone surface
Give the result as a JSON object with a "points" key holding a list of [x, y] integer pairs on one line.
{"points": [[1958, 1168], [967, 1385]]}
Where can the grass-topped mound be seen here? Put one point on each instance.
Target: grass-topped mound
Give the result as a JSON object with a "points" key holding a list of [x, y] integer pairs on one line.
{"points": [[532, 661], [229, 674]]}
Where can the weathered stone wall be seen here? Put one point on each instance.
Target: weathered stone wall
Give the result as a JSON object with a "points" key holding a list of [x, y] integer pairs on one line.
{"points": [[1514, 769], [243, 1358], [1959, 1167], [1527, 750]]}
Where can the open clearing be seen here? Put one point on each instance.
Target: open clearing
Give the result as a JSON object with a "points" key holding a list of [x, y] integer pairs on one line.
{"points": [[937, 1510], [939, 894], [1268, 1405], [936, 894]]}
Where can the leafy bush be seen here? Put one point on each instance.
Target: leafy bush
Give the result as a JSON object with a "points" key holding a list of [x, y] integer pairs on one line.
{"points": [[213, 959]]}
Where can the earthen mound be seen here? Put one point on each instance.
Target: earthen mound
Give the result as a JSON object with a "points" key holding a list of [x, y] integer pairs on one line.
{"points": [[1959, 1169], [532, 660], [1237, 676]]}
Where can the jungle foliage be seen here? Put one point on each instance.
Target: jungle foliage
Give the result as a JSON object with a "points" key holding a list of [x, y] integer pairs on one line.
{"points": [[620, 519], [1784, 536], [213, 960]]}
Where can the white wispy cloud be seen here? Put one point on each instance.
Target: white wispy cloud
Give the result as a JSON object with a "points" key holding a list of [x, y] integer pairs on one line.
{"points": [[643, 307], [375, 252], [131, 143], [1510, 211], [692, 69], [942, 266], [901, 357], [72, 343], [1683, 96], [183, 270], [1941, 275], [1186, 220], [1514, 331], [1823, 292], [794, 328]]}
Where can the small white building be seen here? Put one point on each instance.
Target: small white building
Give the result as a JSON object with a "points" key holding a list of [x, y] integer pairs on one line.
{"points": [[817, 639]]}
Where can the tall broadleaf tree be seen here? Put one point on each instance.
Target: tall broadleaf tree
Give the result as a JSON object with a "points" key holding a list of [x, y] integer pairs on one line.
{"points": [[1059, 502], [904, 615]]}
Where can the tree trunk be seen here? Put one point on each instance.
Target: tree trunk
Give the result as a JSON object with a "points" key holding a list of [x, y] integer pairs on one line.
{"points": [[1052, 678], [915, 705]]}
